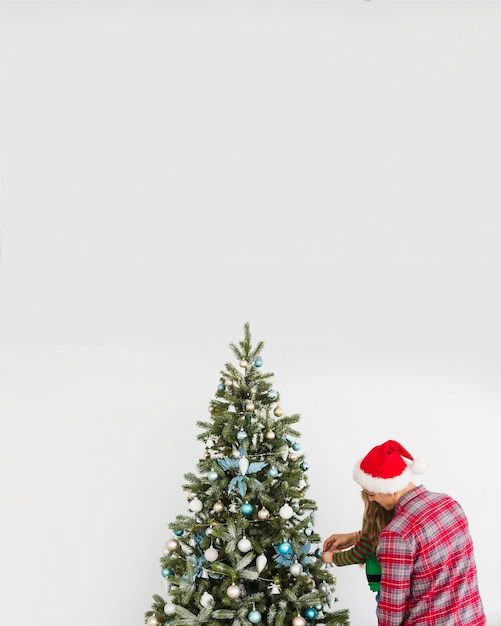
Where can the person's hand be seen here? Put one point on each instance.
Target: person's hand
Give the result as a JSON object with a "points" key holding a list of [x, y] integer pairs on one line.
{"points": [[339, 541], [327, 556]]}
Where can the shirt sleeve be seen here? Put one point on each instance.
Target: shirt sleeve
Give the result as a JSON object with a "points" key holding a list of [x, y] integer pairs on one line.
{"points": [[396, 560], [359, 553]]}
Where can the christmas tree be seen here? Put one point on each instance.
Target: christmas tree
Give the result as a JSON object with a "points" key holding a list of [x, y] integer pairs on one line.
{"points": [[247, 552]]}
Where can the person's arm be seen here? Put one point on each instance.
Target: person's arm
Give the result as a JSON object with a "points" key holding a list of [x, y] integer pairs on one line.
{"points": [[340, 541], [359, 553], [397, 562]]}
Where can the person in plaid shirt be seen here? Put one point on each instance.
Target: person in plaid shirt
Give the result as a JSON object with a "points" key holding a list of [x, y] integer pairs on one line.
{"points": [[428, 570]]}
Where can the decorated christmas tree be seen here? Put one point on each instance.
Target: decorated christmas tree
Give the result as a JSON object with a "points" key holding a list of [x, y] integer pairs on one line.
{"points": [[247, 552]]}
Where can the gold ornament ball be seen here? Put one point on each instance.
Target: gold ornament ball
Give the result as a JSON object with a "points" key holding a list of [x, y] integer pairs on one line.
{"points": [[298, 621], [152, 621], [278, 412], [270, 435], [219, 507], [233, 591], [172, 545]]}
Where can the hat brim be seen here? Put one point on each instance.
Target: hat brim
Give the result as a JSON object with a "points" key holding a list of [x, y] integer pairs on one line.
{"points": [[382, 485]]}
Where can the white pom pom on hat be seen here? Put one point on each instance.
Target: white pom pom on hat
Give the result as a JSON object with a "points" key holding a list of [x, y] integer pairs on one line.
{"points": [[387, 468], [419, 466]]}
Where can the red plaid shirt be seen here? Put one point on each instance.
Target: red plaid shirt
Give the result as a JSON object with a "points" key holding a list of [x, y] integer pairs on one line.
{"points": [[428, 571]]}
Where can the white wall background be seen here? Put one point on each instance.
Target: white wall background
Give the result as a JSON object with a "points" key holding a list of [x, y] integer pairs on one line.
{"points": [[326, 171]]}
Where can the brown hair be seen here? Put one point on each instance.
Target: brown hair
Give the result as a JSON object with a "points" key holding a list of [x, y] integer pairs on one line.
{"points": [[375, 518]]}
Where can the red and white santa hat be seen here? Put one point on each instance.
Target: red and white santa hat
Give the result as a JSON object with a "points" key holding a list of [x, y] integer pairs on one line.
{"points": [[387, 468]]}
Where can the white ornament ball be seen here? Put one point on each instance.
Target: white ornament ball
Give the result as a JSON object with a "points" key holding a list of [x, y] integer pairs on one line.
{"points": [[152, 621], [243, 363], [286, 511], [233, 591], [206, 600], [211, 554], [170, 609], [298, 621], [270, 435], [296, 569], [196, 505], [244, 545], [249, 406], [218, 507]]}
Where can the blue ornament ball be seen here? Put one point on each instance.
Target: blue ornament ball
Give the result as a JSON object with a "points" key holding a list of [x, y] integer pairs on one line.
{"points": [[241, 435], [246, 508], [167, 571], [272, 394], [311, 613], [304, 466], [221, 387], [254, 617], [212, 476], [296, 446], [285, 548], [178, 533], [273, 472], [258, 361], [318, 553]]}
